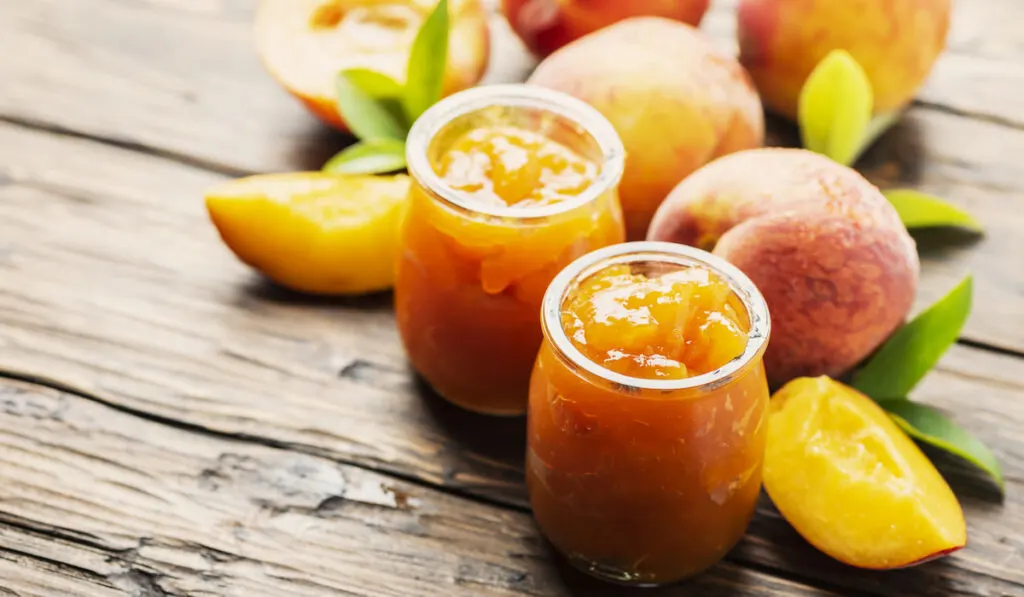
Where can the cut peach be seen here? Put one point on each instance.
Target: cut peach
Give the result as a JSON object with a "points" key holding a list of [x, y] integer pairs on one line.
{"points": [[852, 483], [305, 43], [313, 232]]}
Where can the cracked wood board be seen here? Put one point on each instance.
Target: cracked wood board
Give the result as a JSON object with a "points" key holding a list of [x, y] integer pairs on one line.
{"points": [[98, 502]]}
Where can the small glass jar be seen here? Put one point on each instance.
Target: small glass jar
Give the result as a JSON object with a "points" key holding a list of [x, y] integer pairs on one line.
{"points": [[471, 276], [645, 481]]}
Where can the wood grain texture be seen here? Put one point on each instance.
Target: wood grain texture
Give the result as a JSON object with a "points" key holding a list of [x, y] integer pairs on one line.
{"points": [[94, 502], [181, 79], [175, 330]]}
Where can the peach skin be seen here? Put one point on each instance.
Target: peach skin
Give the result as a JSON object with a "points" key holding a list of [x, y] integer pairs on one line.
{"points": [[676, 101], [896, 41], [305, 43], [828, 252], [848, 479], [547, 25]]}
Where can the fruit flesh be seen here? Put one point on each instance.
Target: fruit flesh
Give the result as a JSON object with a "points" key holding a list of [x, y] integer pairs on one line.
{"points": [[644, 486], [313, 232], [841, 471], [671, 326], [469, 285], [305, 43]]}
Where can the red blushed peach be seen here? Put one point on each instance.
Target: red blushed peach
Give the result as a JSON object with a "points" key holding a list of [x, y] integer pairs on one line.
{"points": [[547, 25], [835, 264], [676, 101], [305, 43], [896, 41]]}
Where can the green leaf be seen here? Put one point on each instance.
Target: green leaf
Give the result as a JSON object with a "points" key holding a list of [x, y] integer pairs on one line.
{"points": [[367, 115], [930, 426], [835, 108], [920, 210], [916, 347], [427, 60], [374, 84], [374, 156]]}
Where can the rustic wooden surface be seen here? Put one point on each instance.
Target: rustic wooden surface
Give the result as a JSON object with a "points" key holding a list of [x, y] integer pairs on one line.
{"points": [[170, 425]]}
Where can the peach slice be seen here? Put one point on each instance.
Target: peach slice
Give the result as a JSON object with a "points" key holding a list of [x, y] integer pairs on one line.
{"points": [[852, 483], [313, 232], [305, 43]]}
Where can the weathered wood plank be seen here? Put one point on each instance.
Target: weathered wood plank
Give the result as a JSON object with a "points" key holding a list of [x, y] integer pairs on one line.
{"points": [[112, 281], [118, 70], [93, 500]]}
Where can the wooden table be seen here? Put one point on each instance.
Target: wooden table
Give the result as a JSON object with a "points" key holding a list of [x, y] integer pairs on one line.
{"points": [[170, 425]]}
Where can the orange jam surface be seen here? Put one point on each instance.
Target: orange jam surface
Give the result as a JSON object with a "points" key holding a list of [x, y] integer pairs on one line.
{"points": [[512, 167], [469, 287], [676, 325]]}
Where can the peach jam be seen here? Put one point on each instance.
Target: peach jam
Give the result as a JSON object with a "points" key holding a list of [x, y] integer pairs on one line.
{"points": [[671, 326], [511, 184], [508, 166], [646, 413]]}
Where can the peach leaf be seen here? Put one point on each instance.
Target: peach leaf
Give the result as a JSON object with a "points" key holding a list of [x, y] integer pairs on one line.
{"points": [[835, 108], [372, 156], [427, 60], [911, 352], [920, 210], [930, 426], [369, 114]]}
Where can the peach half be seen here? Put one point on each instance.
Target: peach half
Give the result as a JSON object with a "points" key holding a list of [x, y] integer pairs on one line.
{"points": [[848, 479], [305, 43], [547, 25], [827, 250], [676, 101]]}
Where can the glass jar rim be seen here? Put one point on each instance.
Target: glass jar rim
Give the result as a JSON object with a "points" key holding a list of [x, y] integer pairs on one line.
{"points": [[665, 252], [514, 95]]}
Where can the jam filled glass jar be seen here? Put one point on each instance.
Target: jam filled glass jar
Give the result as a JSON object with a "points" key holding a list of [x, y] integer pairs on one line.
{"points": [[511, 184], [646, 423]]}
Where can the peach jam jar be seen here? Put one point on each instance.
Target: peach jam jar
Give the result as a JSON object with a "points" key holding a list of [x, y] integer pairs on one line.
{"points": [[646, 423], [511, 184]]}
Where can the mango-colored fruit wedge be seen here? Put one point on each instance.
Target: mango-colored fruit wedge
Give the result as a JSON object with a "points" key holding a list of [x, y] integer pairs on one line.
{"points": [[313, 232], [852, 483]]}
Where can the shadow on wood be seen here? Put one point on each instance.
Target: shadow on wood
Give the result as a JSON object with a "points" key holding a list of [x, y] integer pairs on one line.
{"points": [[501, 440]]}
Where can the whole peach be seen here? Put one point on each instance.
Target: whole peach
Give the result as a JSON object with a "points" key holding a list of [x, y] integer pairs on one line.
{"points": [[676, 101], [896, 41], [828, 252], [547, 25], [304, 43]]}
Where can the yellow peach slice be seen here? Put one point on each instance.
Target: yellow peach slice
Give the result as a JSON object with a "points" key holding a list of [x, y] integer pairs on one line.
{"points": [[852, 483], [313, 232]]}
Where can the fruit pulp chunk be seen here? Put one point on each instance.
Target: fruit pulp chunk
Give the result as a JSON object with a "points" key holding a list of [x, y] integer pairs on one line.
{"points": [[469, 286], [852, 483], [644, 486], [674, 325], [514, 167], [313, 232]]}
